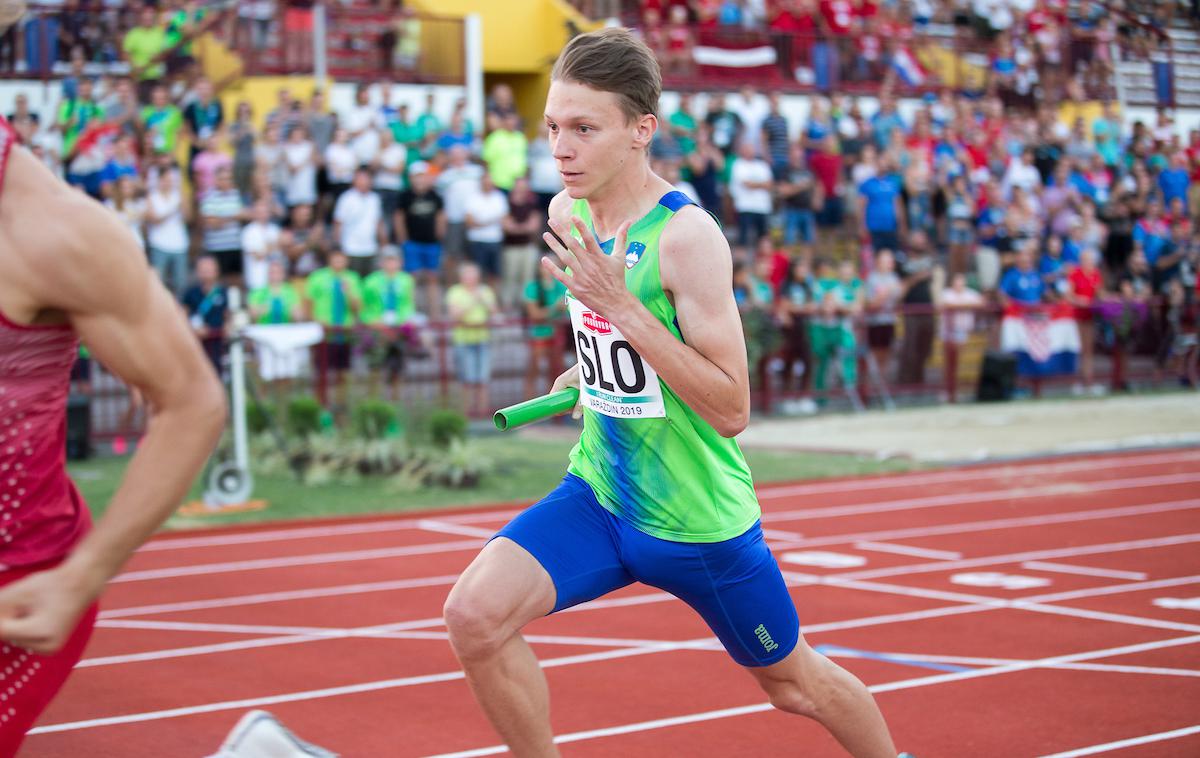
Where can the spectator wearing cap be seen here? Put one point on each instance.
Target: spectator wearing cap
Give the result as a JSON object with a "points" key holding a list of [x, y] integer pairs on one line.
{"points": [[420, 223], [358, 224]]}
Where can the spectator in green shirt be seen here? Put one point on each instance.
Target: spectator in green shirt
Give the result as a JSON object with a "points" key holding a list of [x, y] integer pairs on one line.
{"points": [[76, 114], [470, 305], [430, 125], [545, 304], [277, 302], [683, 125], [142, 45], [505, 151], [389, 307], [162, 119], [334, 294]]}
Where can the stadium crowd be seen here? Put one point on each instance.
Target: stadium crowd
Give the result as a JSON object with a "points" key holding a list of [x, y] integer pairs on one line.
{"points": [[861, 233]]}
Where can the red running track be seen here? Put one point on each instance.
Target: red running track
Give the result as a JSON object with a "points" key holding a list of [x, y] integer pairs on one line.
{"points": [[1036, 608]]}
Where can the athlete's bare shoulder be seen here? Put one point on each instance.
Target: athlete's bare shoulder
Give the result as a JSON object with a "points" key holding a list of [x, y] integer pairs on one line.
{"points": [[64, 250], [692, 244]]}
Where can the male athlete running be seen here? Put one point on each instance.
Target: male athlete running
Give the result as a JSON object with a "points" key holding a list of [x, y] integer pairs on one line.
{"points": [[657, 490], [70, 270]]}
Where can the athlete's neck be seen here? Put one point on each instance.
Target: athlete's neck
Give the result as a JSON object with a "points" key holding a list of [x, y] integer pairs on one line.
{"points": [[627, 198]]}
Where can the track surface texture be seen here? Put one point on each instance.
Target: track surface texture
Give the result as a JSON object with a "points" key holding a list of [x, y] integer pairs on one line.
{"points": [[1044, 607]]}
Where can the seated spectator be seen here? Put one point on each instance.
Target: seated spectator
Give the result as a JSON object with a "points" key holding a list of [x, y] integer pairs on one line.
{"points": [[358, 227], [470, 305]]}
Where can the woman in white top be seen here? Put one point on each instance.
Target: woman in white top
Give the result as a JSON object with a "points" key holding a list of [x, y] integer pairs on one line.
{"points": [[128, 204], [166, 231], [300, 157], [340, 163], [389, 175], [269, 156]]}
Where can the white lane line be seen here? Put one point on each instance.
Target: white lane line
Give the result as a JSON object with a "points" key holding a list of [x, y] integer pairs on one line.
{"points": [[1065, 489], [1131, 742], [915, 552], [351, 689], [456, 546], [1116, 618], [297, 560], [445, 527], [879, 688], [278, 597], [967, 660], [779, 534], [1062, 568], [977, 474], [1153, 584], [973, 474]]}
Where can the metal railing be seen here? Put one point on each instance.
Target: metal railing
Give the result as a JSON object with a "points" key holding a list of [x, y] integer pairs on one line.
{"points": [[1126, 350]]}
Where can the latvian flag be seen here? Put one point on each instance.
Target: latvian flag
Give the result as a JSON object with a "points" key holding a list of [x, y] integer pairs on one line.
{"points": [[1045, 339], [909, 69], [745, 59]]}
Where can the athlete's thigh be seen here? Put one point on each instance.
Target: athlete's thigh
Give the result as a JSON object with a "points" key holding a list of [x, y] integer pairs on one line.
{"points": [[734, 585], [504, 584], [574, 540]]}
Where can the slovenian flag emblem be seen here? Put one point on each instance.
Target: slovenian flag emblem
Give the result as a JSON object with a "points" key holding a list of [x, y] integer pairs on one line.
{"points": [[633, 254]]}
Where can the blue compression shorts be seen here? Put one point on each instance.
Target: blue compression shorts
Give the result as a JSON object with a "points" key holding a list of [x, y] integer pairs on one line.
{"points": [[735, 585]]}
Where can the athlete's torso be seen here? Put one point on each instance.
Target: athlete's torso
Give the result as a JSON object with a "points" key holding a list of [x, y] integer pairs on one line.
{"points": [[41, 512], [650, 459]]}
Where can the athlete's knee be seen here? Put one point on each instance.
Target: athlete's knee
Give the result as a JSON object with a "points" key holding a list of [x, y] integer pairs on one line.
{"points": [[805, 688], [791, 696], [476, 624]]}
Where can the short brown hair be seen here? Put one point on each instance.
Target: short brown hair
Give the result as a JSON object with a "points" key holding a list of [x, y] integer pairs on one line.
{"points": [[613, 60], [10, 13]]}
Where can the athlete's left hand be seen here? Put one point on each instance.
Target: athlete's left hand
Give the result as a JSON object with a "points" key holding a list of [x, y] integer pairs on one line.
{"points": [[39, 612], [595, 278]]}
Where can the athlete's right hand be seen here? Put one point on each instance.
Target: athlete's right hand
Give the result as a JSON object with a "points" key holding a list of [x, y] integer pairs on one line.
{"points": [[40, 611], [569, 378]]}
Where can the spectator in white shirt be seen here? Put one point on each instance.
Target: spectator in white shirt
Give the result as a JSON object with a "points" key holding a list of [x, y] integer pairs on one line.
{"points": [[1021, 173], [360, 123], [358, 224], [750, 185], [485, 212], [389, 175], [300, 156], [262, 243], [166, 232], [458, 181]]}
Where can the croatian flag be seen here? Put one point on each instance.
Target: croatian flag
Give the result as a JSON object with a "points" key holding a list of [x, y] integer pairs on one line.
{"points": [[909, 69], [1045, 339]]}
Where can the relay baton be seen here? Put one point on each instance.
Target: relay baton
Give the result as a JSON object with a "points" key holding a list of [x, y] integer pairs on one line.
{"points": [[536, 409]]}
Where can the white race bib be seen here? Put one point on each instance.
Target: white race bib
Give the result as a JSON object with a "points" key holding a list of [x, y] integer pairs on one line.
{"points": [[613, 378]]}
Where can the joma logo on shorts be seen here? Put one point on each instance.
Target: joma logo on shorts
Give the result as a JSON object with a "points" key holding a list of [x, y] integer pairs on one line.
{"points": [[765, 638], [596, 323]]}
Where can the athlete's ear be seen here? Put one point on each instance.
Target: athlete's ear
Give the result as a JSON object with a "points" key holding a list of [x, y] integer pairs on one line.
{"points": [[644, 129]]}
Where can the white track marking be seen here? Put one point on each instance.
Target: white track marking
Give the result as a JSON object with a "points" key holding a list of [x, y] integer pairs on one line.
{"points": [[915, 552], [1068, 489], [966, 660], [445, 527], [297, 560], [1152, 584], [973, 474], [1131, 742], [879, 688], [457, 546], [1116, 618], [278, 597], [1060, 568]]}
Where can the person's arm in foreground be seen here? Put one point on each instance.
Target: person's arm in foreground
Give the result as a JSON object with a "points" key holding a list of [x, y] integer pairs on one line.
{"points": [[98, 277]]}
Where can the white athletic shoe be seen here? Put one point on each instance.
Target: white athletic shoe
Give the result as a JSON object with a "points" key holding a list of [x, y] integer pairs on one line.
{"points": [[260, 735]]}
